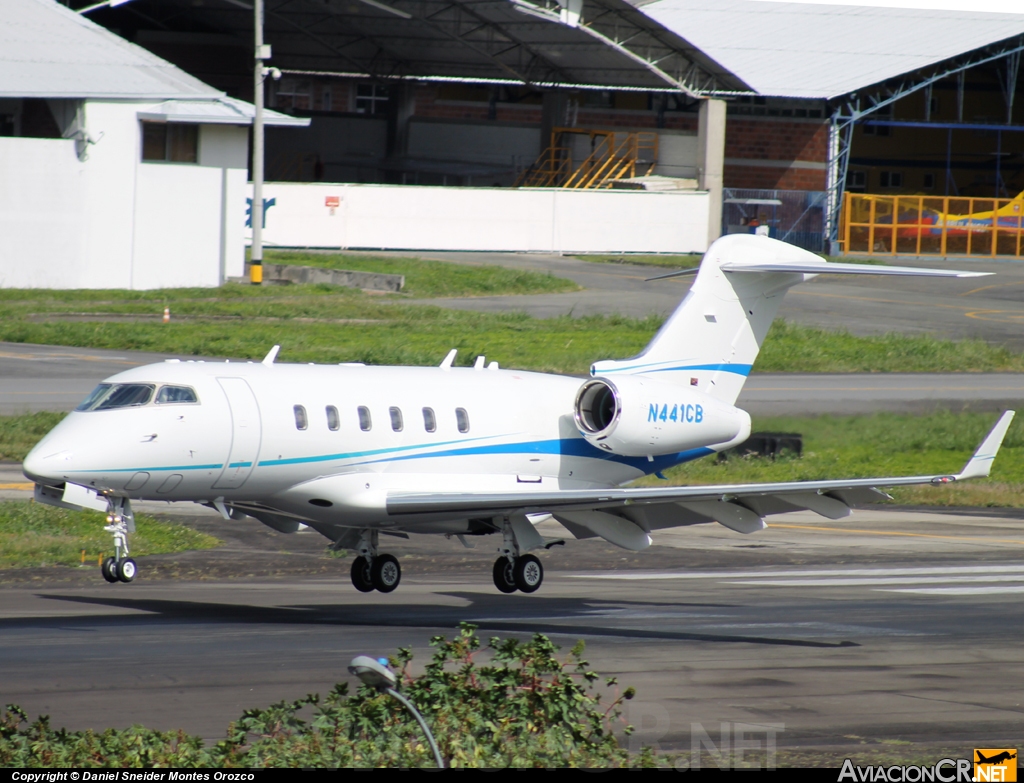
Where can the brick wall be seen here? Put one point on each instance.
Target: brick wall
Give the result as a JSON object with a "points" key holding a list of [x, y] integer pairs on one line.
{"points": [[767, 140], [774, 178]]}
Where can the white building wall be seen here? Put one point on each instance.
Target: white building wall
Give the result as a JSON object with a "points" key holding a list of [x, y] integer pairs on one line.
{"points": [[112, 221], [491, 219], [42, 213]]}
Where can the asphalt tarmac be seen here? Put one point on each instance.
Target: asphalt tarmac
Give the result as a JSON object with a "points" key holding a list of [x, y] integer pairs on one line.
{"points": [[890, 626]]}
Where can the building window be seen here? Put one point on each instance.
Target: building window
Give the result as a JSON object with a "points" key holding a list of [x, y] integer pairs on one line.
{"points": [[928, 182], [293, 94], [429, 420], [333, 420], [326, 101], [365, 422], [890, 179], [371, 99], [396, 419], [463, 419], [301, 422], [170, 142], [856, 182]]}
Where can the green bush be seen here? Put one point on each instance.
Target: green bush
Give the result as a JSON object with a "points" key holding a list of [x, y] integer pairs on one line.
{"points": [[522, 706]]}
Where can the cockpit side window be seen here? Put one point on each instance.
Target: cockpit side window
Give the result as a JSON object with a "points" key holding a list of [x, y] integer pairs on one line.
{"points": [[175, 394], [108, 396]]}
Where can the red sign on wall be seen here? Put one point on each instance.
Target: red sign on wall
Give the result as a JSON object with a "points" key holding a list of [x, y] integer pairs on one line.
{"points": [[332, 201]]}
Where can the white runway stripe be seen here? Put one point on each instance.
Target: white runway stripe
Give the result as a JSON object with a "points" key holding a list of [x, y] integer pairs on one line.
{"points": [[885, 580], [835, 572], [959, 590]]}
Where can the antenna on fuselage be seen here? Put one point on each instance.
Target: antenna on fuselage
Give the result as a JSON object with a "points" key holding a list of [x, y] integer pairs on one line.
{"points": [[269, 358], [449, 359]]}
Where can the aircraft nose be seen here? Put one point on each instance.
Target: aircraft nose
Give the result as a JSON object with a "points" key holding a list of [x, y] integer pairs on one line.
{"points": [[45, 463]]}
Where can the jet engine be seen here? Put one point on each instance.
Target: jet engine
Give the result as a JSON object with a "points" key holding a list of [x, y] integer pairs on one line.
{"points": [[636, 416]]}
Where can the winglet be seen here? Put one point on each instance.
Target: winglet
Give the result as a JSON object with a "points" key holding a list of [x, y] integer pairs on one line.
{"points": [[449, 359], [980, 464], [271, 356]]}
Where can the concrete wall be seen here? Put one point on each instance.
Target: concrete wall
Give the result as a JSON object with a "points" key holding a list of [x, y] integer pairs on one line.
{"points": [[111, 221], [499, 219]]}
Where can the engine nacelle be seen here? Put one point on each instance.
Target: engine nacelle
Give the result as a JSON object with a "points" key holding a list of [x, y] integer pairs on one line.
{"points": [[636, 416]]}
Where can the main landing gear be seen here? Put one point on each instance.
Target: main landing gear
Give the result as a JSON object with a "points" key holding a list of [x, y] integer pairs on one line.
{"points": [[121, 522], [513, 571], [372, 571]]}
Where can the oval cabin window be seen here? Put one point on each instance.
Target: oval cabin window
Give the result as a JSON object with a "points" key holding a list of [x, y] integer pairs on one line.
{"points": [[396, 419], [333, 420], [463, 419], [429, 420], [365, 422], [301, 422]]}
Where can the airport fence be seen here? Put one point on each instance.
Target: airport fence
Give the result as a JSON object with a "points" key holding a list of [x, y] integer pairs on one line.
{"points": [[932, 225]]}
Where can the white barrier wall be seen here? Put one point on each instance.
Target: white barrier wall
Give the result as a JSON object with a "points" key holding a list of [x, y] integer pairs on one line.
{"points": [[112, 221], [408, 217]]}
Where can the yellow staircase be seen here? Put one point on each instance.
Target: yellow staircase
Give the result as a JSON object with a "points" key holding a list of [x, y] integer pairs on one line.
{"points": [[613, 156]]}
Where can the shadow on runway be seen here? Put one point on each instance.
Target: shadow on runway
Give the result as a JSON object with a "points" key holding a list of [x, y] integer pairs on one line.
{"points": [[517, 614]]}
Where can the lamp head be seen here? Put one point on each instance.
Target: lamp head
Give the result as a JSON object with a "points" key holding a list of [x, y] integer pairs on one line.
{"points": [[373, 672]]}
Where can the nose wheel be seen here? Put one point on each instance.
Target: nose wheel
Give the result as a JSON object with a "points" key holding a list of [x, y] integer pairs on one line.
{"points": [[120, 522]]}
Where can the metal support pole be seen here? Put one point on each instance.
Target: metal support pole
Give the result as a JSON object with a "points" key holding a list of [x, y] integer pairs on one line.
{"points": [[949, 152], [423, 724], [261, 53], [999, 159]]}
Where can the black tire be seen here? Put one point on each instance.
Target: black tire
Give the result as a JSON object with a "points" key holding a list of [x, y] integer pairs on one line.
{"points": [[386, 573], [127, 570], [109, 570], [504, 579], [361, 575], [528, 573]]}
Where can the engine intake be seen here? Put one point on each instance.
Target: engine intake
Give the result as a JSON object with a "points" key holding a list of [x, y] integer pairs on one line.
{"points": [[636, 416]]}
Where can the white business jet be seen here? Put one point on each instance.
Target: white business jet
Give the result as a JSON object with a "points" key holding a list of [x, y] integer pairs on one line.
{"points": [[359, 452]]}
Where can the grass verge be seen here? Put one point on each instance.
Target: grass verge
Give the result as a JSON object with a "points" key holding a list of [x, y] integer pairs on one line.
{"points": [[33, 535], [18, 434], [425, 278], [669, 260], [881, 444]]}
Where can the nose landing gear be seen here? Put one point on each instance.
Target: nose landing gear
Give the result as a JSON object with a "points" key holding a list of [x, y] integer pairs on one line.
{"points": [[373, 571], [121, 522]]}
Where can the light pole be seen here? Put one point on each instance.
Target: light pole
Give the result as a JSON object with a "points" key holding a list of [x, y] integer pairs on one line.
{"points": [[262, 53], [376, 674]]}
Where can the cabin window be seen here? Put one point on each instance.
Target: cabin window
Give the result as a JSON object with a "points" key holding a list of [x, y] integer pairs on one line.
{"points": [[108, 396], [365, 422], [429, 420], [396, 419], [169, 395], [463, 419], [301, 422], [333, 420]]}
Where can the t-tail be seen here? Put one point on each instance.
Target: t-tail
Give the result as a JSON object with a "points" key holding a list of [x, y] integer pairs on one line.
{"points": [[712, 339]]}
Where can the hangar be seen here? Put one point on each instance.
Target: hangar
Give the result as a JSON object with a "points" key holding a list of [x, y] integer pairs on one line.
{"points": [[775, 110]]}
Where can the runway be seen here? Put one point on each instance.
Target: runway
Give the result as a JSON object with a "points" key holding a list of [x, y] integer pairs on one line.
{"points": [[888, 626], [55, 378]]}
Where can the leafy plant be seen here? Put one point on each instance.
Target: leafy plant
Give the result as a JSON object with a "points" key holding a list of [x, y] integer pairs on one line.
{"points": [[506, 704]]}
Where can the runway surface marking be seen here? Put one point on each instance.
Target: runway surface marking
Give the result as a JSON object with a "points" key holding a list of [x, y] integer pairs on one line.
{"points": [[22, 485], [968, 311], [954, 580], [984, 539]]}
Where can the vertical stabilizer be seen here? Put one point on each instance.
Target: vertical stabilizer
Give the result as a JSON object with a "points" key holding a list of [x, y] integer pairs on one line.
{"points": [[712, 339]]}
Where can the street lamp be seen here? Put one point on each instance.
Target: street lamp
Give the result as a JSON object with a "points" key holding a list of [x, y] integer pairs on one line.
{"points": [[375, 673]]}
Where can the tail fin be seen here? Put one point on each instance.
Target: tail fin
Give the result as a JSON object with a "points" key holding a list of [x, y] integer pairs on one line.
{"points": [[714, 336]]}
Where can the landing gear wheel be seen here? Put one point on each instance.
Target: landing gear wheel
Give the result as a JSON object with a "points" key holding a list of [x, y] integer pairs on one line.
{"points": [[504, 579], [528, 573], [361, 579], [109, 570], [126, 570], [386, 573]]}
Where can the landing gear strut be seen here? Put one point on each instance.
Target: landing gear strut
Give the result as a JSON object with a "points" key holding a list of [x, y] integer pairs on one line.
{"points": [[120, 522], [513, 571], [373, 571]]}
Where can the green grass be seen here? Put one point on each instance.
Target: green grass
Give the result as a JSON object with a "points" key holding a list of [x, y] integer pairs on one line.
{"points": [[327, 324], [33, 535], [881, 444], [18, 434], [424, 278], [669, 260]]}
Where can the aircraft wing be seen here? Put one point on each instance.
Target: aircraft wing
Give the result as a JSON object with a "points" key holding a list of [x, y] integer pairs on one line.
{"points": [[741, 507]]}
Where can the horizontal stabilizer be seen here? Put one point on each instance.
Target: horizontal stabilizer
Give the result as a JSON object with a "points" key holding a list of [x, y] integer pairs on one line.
{"points": [[979, 465], [829, 268]]}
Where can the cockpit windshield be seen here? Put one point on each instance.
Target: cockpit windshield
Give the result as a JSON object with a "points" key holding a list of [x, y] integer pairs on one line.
{"points": [[108, 396]]}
